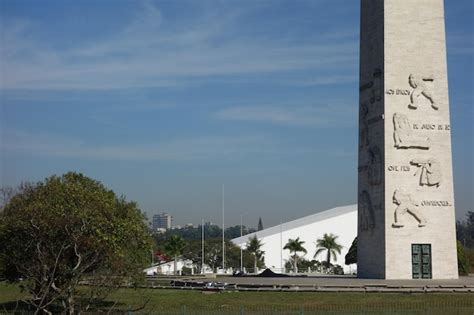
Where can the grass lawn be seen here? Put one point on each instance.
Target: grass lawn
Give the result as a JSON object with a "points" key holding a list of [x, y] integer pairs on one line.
{"points": [[194, 302]]}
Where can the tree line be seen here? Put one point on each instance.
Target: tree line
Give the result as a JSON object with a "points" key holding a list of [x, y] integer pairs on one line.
{"points": [[67, 231]]}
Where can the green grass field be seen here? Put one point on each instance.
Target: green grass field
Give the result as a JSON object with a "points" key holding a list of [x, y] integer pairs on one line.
{"points": [[195, 302]]}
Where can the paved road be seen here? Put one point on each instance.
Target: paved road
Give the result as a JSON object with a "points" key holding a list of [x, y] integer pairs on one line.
{"points": [[343, 281]]}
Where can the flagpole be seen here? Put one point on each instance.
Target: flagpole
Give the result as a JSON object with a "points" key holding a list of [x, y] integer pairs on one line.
{"points": [[281, 247], [202, 247], [241, 256], [223, 229]]}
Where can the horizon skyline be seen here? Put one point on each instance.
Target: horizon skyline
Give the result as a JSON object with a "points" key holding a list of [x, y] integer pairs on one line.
{"points": [[165, 102]]}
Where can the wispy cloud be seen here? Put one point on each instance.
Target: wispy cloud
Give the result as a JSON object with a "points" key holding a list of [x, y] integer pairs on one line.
{"points": [[326, 80], [460, 44], [197, 148], [293, 115], [153, 52]]}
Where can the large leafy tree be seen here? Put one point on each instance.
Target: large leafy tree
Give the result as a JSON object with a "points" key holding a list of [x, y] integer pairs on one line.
{"points": [[253, 247], [328, 243], [295, 246], [68, 229], [174, 247]]}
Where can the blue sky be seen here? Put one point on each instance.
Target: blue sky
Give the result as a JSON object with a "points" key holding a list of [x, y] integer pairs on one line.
{"points": [[165, 101]]}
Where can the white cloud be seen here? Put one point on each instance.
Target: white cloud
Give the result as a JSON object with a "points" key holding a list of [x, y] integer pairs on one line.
{"points": [[295, 115], [197, 148], [154, 52]]}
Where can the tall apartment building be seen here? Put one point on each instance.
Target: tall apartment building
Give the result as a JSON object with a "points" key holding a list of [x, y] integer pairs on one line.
{"points": [[162, 221]]}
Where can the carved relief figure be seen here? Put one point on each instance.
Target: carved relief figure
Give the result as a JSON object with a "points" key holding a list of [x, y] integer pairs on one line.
{"points": [[404, 136], [421, 88], [377, 86], [366, 212], [406, 205], [364, 129], [375, 166], [429, 171]]}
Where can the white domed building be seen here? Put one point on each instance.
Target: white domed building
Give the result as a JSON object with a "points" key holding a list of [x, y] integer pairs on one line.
{"points": [[340, 221]]}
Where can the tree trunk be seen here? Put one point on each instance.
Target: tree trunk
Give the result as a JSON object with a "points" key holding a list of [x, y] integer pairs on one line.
{"points": [[329, 258], [296, 263], [175, 271], [70, 304], [255, 265]]}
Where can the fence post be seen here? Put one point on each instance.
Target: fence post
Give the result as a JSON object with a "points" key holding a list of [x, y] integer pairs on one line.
{"points": [[183, 310], [242, 310]]}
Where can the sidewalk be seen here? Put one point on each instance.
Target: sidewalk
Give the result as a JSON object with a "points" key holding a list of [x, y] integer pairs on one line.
{"points": [[338, 284]]}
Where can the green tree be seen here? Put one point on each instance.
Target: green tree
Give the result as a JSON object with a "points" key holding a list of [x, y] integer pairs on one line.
{"points": [[194, 233], [174, 247], [253, 247], [303, 264], [295, 246], [260, 224], [463, 260], [67, 229], [213, 254], [193, 252], [351, 256], [328, 243], [465, 230]]}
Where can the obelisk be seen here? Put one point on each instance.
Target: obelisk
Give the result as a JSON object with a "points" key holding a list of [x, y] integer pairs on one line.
{"points": [[406, 223]]}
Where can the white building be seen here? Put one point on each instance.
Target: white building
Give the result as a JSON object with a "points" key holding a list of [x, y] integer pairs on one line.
{"points": [[162, 221], [341, 221], [167, 268]]}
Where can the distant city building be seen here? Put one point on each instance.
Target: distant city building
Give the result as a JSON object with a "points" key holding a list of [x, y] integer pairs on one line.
{"points": [[162, 221]]}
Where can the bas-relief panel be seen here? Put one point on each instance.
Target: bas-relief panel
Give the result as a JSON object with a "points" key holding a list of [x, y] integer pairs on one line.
{"points": [[375, 166], [405, 136], [420, 90], [366, 212], [372, 91], [364, 126], [406, 206], [422, 87], [428, 171]]}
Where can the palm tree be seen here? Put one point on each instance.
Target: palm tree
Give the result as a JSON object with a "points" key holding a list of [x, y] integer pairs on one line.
{"points": [[174, 247], [295, 246], [253, 247], [329, 243]]}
